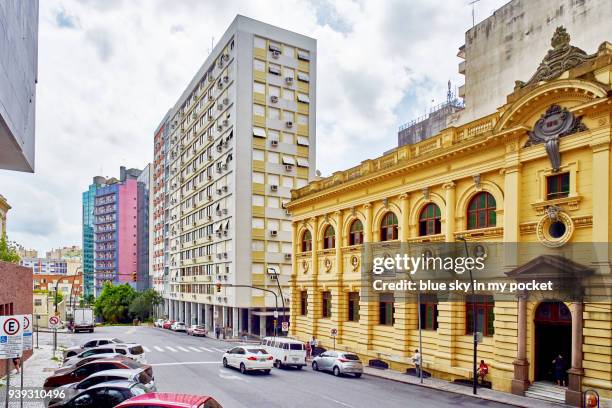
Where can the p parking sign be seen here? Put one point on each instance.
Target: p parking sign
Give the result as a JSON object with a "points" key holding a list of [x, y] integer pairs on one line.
{"points": [[11, 336]]}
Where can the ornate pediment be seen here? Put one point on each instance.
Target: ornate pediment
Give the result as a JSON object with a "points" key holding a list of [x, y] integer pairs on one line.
{"points": [[559, 59]]}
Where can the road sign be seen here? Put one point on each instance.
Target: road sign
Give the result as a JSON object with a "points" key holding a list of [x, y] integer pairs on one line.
{"points": [[27, 332], [333, 332], [285, 326], [11, 337], [54, 322]]}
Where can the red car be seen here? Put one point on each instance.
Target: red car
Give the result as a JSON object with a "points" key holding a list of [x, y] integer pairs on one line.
{"points": [[170, 400], [77, 374], [168, 324]]}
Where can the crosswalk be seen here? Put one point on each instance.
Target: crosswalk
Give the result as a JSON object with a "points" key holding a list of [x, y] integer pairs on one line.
{"points": [[182, 349]]}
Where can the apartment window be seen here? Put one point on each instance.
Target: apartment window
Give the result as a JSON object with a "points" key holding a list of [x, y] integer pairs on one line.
{"points": [[429, 311], [259, 87], [303, 76], [259, 110], [302, 119], [259, 65], [557, 186], [258, 155], [288, 72], [274, 69], [329, 238], [356, 233], [258, 223], [273, 113], [273, 202], [274, 91], [287, 138], [273, 135], [288, 182], [274, 179], [481, 211], [303, 55], [258, 200], [303, 98], [259, 42], [429, 220], [304, 303], [327, 304], [258, 245], [386, 309], [301, 183], [288, 116], [389, 227], [258, 177], [484, 312], [289, 51], [306, 241], [273, 246], [273, 157], [259, 132], [353, 306]]}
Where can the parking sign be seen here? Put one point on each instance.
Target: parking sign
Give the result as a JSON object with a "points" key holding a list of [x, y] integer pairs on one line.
{"points": [[11, 336], [54, 322], [27, 331]]}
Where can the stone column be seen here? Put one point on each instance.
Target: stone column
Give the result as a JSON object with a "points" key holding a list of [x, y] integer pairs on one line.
{"points": [[573, 394], [208, 319], [338, 295], [235, 321], [293, 311], [262, 326], [367, 299], [449, 215], [314, 295], [250, 321], [404, 220], [520, 382]]}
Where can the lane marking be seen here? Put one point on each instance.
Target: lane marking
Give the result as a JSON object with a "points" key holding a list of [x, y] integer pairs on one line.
{"points": [[171, 349], [182, 348], [205, 349], [195, 349], [159, 349], [146, 349], [219, 350], [336, 401], [187, 363]]}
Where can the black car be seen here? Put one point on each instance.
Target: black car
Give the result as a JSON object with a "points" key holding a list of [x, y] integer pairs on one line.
{"points": [[104, 395]]}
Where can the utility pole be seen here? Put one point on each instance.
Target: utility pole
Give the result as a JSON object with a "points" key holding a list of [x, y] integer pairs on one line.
{"points": [[475, 320]]}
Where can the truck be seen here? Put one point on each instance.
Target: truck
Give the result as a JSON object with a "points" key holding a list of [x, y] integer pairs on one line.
{"points": [[83, 319]]}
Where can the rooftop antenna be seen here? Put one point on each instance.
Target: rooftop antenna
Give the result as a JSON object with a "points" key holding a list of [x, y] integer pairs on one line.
{"points": [[449, 94], [472, 3]]}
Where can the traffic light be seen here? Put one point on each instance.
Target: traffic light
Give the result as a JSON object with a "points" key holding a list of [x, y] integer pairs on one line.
{"points": [[134, 277], [218, 285]]}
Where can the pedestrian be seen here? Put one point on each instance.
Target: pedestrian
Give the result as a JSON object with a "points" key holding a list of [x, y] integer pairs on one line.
{"points": [[224, 331], [560, 369], [217, 331], [483, 370], [313, 345], [416, 360], [17, 364], [308, 350]]}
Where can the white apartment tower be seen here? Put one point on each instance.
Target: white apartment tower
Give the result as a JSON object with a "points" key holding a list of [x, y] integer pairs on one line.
{"points": [[241, 136]]}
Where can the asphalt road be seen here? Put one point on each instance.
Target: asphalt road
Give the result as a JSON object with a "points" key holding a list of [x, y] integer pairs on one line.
{"points": [[186, 364]]}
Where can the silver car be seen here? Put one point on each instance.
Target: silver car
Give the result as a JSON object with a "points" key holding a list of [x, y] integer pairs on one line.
{"points": [[338, 362]]}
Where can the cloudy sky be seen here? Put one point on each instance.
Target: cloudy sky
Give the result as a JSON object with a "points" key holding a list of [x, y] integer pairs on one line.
{"points": [[110, 69]]}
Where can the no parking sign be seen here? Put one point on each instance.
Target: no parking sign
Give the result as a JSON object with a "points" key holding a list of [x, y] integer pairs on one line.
{"points": [[11, 336], [27, 331]]}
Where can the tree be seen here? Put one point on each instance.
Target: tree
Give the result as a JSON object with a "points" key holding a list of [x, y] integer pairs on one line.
{"points": [[144, 302], [113, 303], [8, 253]]}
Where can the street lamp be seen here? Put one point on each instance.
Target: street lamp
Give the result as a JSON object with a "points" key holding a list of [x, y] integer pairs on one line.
{"points": [[475, 320]]}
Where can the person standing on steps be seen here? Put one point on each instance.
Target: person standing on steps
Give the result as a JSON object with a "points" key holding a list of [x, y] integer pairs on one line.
{"points": [[416, 360]]}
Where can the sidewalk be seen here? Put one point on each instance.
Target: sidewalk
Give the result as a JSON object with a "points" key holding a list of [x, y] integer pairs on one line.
{"points": [[36, 369], [483, 393]]}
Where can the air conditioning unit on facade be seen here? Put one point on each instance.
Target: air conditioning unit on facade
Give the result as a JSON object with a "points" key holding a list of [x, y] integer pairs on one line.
{"points": [[274, 143], [288, 80], [273, 233], [289, 124], [288, 167], [274, 99], [275, 54], [226, 101], [288, 257], [273, 187]]}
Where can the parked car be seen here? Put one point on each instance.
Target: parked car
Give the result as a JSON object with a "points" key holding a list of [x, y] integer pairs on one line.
{"points": [[138, 375], [131, 350], [178, 326], [170, 400], [80, 373], [196, 330], [338, 362], [71, 351], [286, 351], [86, 360], [168, 324], [248, 359], [103, 395], [159, 323]]}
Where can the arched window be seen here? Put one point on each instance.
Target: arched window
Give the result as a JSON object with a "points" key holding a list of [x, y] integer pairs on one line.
{"points": [[388, 227], [356, 233], [481, 211], [329, 237], [306, 241], [429, 220]]}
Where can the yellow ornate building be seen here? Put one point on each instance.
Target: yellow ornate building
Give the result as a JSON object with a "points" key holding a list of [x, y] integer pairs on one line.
{"points": [[536, 171]]}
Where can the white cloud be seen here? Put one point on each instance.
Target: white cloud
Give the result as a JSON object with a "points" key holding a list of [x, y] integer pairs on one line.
{"points": [[109, 71]]}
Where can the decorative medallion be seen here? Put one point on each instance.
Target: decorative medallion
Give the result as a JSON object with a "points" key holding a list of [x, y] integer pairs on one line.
{"points": [[385, 202], [555, 228], [355, 263], [305, 266], [328, 264], [554, 124], [559, 59], [476, 178], [426, 193]]}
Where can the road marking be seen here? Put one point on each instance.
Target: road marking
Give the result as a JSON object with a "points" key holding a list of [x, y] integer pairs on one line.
{"points": [[146, 349], [219, 350], [182, 348], [195, 349], [171, 349], [205, 349], [336, 401], [188, 363], [159, 349]]}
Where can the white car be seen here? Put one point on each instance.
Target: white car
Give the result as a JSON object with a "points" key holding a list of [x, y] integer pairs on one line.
{"points": [[72, 351], [159, 323], [286, 351], [131, 350], [248, 359], [178, 326]]}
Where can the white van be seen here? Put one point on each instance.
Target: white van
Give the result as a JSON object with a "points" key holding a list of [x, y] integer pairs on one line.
{"points": [[286, 351]]}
